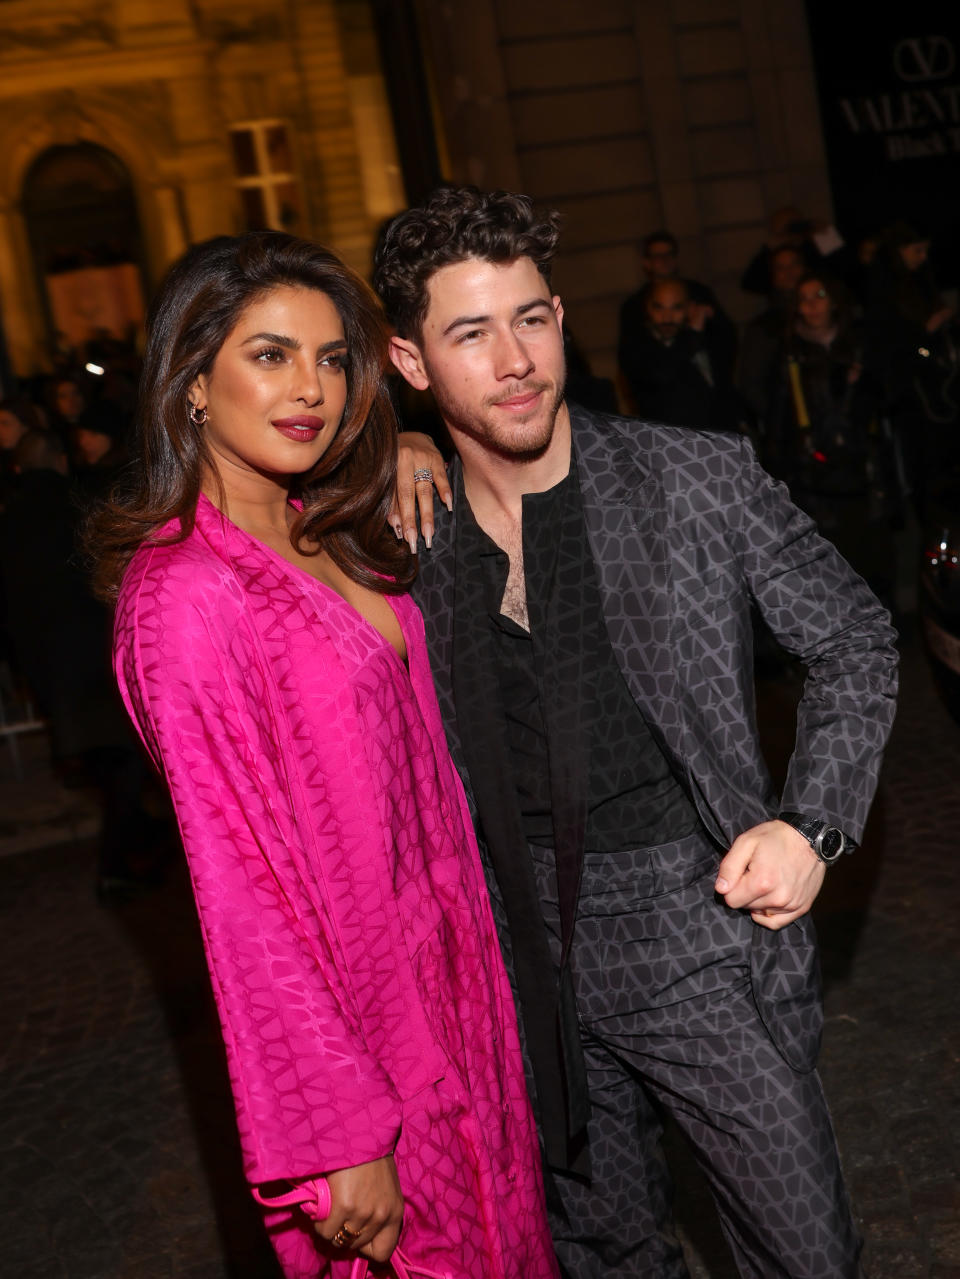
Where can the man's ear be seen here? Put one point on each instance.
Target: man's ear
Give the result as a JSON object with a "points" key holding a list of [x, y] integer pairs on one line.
{"points": [[408, 361], [558, 310]]}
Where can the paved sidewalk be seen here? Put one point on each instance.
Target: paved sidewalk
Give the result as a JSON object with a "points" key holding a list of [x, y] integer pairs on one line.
{"points": [[119, 1155]]}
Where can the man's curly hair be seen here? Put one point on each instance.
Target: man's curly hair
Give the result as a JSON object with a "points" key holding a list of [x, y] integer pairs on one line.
{"points": [[453, 224]]}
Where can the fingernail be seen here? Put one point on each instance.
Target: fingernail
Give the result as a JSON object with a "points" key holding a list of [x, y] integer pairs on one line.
{"points": [[449, 504], [721, 885], [412, 542], [427, 538], [398, 529]]}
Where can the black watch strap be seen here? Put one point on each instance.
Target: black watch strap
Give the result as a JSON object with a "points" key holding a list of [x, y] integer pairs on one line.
{"points": [[828, 842]]}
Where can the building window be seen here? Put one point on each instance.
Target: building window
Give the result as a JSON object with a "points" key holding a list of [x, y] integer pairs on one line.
{"points": [[270, 196]]}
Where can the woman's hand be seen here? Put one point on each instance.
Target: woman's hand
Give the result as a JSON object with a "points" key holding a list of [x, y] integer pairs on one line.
{"points": [[367, 1209], [417, 452]]}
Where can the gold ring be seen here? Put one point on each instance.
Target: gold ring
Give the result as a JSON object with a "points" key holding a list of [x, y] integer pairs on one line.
{"points": [[344, 1236]]}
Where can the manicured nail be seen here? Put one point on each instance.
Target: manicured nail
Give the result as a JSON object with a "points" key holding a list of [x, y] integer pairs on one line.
{"points": [[428, 538], [721, 885], [449, 504], [398, 529], [412, 542]]}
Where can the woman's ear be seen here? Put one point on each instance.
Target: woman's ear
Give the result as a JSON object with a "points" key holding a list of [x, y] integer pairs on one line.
{"points": [[197, 395]]}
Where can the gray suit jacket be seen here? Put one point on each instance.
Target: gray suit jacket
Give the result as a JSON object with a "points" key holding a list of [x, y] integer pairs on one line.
{"points": [[687, 530]]}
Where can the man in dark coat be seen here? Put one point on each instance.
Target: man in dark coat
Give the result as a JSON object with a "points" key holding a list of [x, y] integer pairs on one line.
{"points": [[587, 604], [675, 367], [660, 260]]}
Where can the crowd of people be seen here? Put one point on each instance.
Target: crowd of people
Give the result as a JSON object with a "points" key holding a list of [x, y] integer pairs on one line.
{"points": [[64, 442], [488, 863], [848, 379]]}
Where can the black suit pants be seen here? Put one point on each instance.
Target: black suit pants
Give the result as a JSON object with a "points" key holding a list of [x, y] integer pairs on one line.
{"points": [[662, 976]]}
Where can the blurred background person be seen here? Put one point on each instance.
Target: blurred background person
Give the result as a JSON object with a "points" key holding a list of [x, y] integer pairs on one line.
{"points": [[763, 336], [99, 440], [671, 365], [823, 432], [61, 638], [819, 244], [912, 349], [660, 260], [67, 399]]}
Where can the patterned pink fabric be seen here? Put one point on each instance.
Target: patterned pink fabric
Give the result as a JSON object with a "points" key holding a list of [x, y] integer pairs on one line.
{"points": [[362, 996]]}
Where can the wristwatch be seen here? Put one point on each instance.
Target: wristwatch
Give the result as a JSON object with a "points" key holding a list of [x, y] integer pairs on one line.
{"points": [[828, 842]]}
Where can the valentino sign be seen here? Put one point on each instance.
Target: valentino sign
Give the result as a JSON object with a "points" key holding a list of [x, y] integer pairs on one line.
{"points": [[924, 58], [919, 121]]}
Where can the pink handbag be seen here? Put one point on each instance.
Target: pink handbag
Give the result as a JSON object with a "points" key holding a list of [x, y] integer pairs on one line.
{"points": [[313, 1198]]}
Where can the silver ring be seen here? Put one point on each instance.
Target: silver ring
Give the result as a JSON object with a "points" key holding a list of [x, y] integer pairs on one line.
{"points": [[422, 475]]}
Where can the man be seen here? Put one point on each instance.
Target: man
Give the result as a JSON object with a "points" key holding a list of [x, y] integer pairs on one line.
{"points": [[820, 246], [764, 335], [587, 603], [659, 258], [673, 367]]}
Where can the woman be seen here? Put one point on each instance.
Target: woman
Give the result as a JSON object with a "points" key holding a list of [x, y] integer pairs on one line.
{"points": [[913, 349], [825, 438], [279, 678]]}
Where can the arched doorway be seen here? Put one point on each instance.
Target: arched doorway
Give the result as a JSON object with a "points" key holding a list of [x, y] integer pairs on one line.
{"points": [[81, 215]]}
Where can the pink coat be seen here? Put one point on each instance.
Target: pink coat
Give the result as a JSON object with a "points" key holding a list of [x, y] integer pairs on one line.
{"points": [[356, 969]]}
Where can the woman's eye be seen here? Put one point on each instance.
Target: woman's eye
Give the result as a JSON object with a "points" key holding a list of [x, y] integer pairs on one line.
{"points": [[271, 355], [335, 360]]}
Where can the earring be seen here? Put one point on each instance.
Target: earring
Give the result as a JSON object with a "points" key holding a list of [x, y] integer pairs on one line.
{"points": [[198, 416]]}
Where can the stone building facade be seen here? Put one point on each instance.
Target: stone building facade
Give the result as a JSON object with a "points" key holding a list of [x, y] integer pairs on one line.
{"points": [[206, 116], [631, 115], [134, 127]]}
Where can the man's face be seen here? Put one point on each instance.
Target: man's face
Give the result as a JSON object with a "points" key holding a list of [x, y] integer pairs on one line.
{"points": [[786, 268], [667, 309], [491, 351], [660, 260]]}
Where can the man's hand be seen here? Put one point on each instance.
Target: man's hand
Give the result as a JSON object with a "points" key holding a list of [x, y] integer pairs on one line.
{"points": [[697, 315], [417, 452], [939, 318], [368, 1206], [772, 872]]}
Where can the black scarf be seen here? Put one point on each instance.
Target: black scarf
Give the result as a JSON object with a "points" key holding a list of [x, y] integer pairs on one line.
{"points": [[564, 607]]}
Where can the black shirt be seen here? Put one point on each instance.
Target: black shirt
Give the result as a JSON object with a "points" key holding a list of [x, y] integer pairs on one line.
{"points": [[634, 799]]}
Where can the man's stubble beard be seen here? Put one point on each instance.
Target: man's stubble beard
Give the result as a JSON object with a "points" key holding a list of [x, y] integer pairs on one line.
{"points": [[507, 441]]}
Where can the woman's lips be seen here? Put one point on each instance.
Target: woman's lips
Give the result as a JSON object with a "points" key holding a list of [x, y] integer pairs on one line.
{"points": [[302, 427]]}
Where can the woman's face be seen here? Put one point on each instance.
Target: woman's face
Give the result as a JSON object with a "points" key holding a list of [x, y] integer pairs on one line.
{"points": [[914, 255], [69, 400], [277, 389], [12, 429], [814, 305], [91, 446]]}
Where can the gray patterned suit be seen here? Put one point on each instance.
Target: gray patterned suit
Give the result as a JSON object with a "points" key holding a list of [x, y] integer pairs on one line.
{"points": [[681, 999]]}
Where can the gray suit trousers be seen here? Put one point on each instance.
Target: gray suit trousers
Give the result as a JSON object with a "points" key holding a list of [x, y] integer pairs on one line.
{"points": [[662, 976]]}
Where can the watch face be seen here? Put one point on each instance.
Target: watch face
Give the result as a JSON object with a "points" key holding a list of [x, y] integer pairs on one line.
{"points": [[831, 843]]}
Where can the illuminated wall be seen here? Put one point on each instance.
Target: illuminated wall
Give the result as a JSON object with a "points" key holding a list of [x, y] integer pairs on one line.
{"points": [[222, 114]]}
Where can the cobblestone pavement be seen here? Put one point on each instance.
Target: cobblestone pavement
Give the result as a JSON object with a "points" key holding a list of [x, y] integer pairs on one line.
{"points": [[119, 1156]]}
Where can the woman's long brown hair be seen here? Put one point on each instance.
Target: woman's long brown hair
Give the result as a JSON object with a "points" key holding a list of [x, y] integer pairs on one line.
{"points": [[345, 497]]}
